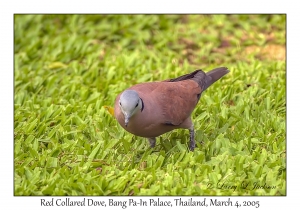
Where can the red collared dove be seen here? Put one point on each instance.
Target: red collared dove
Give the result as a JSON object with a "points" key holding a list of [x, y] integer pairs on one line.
{"points": [[154, 108]]}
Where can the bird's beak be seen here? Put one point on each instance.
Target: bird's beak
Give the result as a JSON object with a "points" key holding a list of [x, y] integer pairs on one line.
{"points": [[126, 121]]}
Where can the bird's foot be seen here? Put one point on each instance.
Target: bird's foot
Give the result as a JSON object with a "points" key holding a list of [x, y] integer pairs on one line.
{"points": [[152, 142], [192, 139]]}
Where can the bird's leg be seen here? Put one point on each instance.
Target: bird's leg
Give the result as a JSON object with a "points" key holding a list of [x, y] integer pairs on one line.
{"points": [[152, 142], [192, 138]]}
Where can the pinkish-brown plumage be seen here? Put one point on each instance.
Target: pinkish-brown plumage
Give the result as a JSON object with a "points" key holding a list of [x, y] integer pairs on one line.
{"points": [[166, 105]]}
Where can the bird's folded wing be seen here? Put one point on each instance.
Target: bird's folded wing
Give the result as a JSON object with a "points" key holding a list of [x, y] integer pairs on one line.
{"points": [[178, 100]]}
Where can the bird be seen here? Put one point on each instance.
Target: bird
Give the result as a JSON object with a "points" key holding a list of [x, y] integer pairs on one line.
{"points": [[151, 109]]}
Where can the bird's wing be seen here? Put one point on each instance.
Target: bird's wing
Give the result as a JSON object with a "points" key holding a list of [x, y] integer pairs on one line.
{"points": [[178, 100]]}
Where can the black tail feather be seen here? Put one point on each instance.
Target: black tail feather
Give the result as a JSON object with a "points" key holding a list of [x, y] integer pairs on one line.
{"points": [[184, 77]]}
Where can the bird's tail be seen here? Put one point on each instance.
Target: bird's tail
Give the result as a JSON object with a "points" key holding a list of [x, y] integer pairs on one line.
{"points": [[203, 79], [214, 75]]}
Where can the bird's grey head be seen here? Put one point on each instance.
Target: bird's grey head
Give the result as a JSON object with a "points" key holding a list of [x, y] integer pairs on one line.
{"points": [[130, 103]]}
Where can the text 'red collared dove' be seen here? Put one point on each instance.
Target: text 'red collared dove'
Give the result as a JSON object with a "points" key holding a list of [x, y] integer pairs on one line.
{"points": [[153, 108]]}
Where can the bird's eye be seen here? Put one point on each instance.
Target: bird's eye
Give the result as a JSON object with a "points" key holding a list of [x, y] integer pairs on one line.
{"points": [[120, 104], [136, 104]]}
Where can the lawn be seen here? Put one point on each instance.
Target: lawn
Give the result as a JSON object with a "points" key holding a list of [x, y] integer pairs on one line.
{"points": [[68, 67]]}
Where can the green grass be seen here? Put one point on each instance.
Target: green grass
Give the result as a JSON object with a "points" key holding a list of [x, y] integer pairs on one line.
{"points": [[67, 67]]}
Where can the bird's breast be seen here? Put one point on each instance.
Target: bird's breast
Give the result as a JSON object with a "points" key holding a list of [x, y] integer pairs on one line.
{"points": [[146, 123]]}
